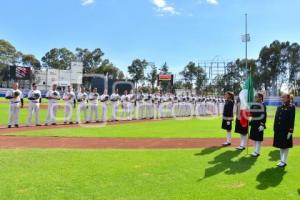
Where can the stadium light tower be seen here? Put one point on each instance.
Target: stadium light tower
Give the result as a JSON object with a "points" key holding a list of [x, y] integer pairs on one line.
{"points": [[246, 39]]}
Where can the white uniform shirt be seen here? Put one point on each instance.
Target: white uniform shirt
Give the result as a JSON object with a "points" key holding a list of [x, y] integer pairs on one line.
{"points": [[69, 97], [104, 98], [14, 100], [94, 98], [114, 97], [34, 94], [53, 94], [82, 97]]}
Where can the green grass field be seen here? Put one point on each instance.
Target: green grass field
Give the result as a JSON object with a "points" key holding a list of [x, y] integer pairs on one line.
{"points": [[146, 175], [185, 174]]}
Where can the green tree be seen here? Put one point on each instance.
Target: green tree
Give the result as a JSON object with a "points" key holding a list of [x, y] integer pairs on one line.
{"points": [[137, 70], [58, 58], [30, 60], [152, 76], [91, 59]]}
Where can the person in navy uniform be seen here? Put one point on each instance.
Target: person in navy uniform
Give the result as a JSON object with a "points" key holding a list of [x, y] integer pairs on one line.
{"points": [[258, 123], [284, 128], [228, 116], [243, 131]]}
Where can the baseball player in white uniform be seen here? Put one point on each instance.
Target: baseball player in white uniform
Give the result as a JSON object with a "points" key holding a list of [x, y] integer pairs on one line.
{"points": [[34, 97], [114, 98], [53, 97], [104, 98], [69, 98], [82, 97], [125, 110], [15, 98], [93, 104]]}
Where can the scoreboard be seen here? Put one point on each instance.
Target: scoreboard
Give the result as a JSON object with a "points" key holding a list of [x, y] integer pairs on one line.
{"points": [[20, 73]]}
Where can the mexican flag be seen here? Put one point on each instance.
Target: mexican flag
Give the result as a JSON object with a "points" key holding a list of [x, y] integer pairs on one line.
{"points": [[246, 97]]}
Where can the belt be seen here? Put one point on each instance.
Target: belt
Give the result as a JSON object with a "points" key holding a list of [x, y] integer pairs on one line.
{"points": [[15, 102]]}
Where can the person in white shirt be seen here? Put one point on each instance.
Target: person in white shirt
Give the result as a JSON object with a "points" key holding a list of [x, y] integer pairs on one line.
{"points": [[93, 104], [53, 97], [15, 98], [34, 97], [114, 98], [82, 105], [69, 97], [124, 101], [104, 102]]}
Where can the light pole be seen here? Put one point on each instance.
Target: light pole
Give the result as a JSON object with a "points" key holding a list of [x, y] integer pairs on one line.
{"points": [[246, 39]]}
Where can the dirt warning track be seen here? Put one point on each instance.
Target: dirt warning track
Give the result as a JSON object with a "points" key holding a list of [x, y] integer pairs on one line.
{"points": [[13, 142]]}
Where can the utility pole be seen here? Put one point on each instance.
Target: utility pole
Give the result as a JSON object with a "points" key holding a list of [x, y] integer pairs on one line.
{"points": [[246, 39]]}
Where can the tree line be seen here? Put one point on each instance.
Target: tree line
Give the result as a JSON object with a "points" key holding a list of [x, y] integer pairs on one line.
{"points": [[278, 63]]}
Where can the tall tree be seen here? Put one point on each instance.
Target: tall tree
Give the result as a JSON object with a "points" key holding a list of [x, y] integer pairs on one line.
{"points": [[29, 60], [8, 56], [107, 67], [137, 70], [91, 59], [58, 58], [272, 63], [152, 76], [189, 74], [164, 69], [200, 79]]}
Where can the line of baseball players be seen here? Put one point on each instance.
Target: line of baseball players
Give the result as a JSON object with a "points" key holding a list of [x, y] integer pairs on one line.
{"points": [[86, 105]]}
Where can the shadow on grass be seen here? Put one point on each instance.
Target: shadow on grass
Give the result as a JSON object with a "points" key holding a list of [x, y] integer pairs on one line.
{"points": [[224, 163], [207, 151], [271, 177], [274, 155]]}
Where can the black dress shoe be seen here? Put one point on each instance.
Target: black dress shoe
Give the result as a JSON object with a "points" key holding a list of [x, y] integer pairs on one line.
{"points": [[281, 164], [255, 155], [38, 125], [226, 144], [16, 126], [54, 124], [71, 123], [9, 126], [240, 148]]}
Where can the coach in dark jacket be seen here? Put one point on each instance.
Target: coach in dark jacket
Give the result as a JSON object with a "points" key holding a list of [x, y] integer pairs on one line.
{"points": [[284, 128], [228, 116], [258, 123]]}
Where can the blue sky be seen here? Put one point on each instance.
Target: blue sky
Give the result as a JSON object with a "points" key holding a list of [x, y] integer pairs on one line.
{"points": [[175, 31]]}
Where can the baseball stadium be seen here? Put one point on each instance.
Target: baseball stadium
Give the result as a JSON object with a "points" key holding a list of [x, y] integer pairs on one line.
{"points": [[147, 121]]}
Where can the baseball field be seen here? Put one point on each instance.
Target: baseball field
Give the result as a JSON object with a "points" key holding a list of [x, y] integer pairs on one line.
{"points": [[160, 159]]}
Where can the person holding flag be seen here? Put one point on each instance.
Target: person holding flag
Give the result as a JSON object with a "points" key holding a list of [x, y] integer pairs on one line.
{"points": [[283, 128], [258, 123], [246, 98], [228, 116]]}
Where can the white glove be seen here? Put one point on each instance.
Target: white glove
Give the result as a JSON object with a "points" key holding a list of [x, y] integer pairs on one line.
{"points": [[289, 135], [228, 123], [261, 128]]}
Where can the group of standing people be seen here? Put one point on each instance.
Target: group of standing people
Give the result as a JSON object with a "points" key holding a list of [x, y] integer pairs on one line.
{"points": [[87, 105], [257, 116]]}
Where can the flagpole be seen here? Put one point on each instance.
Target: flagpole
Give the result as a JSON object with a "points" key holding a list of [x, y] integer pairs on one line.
{"points": [[248, 70]]}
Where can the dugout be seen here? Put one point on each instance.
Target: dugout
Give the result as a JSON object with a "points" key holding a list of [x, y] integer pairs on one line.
{"points": [[101, 83]]}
